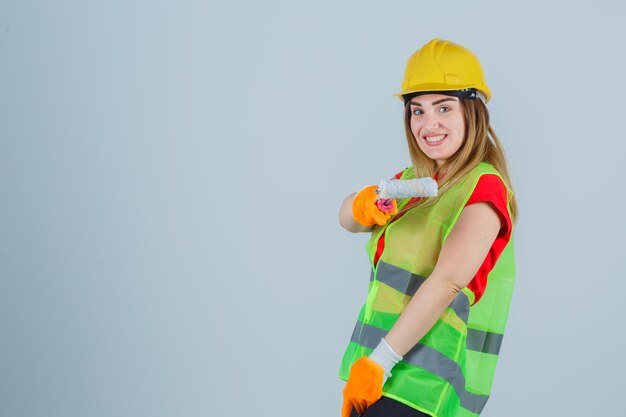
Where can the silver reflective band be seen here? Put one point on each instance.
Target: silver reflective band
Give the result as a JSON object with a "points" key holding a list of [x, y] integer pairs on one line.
{"points": [[485, 342], [407, 283], [366, 335], [397, 278], [460, 305], [426, 358], [431, 360]]}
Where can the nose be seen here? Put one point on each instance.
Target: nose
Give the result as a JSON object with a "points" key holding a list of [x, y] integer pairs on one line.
{"points": [[431, 120]]}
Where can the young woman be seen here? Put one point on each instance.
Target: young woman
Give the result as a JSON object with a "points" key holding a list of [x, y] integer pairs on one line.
{"points": [[427, 338]]}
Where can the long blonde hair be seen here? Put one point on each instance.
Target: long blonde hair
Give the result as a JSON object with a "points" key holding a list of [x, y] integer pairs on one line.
{"points": [[481, 144]]}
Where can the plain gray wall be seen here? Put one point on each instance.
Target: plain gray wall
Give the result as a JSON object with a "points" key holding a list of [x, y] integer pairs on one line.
{"points": [[171, 173]]}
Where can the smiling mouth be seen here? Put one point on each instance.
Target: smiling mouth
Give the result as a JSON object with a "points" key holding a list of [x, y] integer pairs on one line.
{"points": [[433, 140]]}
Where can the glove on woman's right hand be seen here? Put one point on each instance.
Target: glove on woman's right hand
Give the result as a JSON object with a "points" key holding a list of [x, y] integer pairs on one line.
{"points": [[366, 211], [364, 386]]}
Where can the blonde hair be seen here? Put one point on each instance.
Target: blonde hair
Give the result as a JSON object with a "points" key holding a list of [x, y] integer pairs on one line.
{"points": [[481, 144]]}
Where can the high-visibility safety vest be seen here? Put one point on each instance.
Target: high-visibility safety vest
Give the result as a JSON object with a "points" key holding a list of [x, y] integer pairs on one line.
{"points": [[450, 371]]}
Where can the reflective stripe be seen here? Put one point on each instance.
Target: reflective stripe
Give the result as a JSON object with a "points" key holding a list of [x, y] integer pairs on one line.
{"points": [[460, 305], [407, 283], [399, 279], [367, 335], [426, 358], [485, 342], [431, 360]]}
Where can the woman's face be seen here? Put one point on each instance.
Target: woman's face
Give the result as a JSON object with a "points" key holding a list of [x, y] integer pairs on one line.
{"points": [[438, 124]]}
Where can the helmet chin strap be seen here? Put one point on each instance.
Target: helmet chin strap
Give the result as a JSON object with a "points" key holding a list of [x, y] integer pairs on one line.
{"points": [[468, 93]]}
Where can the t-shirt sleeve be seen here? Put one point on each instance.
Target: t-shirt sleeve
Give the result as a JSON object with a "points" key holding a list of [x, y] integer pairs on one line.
{"points": [[490, 188]]}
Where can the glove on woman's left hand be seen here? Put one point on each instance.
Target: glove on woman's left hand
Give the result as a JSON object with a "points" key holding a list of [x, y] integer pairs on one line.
{"points": [[364, 386]]}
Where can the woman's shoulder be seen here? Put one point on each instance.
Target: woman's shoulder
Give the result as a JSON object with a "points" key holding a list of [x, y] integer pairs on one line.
{"points": [[483, 174], [485, 168]]}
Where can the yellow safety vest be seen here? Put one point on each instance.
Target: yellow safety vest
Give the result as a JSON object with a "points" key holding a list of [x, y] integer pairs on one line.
{"points": [[450, 371]]}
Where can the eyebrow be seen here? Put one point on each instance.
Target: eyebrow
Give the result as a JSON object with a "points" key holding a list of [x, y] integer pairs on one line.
{"points": [[414, 103]]}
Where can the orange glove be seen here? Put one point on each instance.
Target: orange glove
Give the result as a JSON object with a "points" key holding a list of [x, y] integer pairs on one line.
{"points": [[366, 211], [364, 386]]}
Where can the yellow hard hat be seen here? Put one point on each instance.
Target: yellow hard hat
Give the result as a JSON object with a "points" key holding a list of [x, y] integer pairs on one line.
{"points": [[444, 67]]}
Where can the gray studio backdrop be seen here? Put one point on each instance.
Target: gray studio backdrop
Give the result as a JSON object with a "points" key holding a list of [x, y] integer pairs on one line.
{"points": [[171, 173]]}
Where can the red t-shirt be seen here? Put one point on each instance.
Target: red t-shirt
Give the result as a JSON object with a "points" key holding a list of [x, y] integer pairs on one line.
{"points": [[489, 189]]}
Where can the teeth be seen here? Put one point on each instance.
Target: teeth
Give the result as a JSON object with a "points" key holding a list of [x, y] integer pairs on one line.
{"points": [[434, 139]]}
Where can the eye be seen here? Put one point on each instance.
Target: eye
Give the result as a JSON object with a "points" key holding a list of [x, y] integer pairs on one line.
{"points": [[444, 109], [417, 112]]}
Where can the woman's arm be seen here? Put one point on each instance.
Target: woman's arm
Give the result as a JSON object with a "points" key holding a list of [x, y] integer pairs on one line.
{"points": [[346, 220], [462, 254]]}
